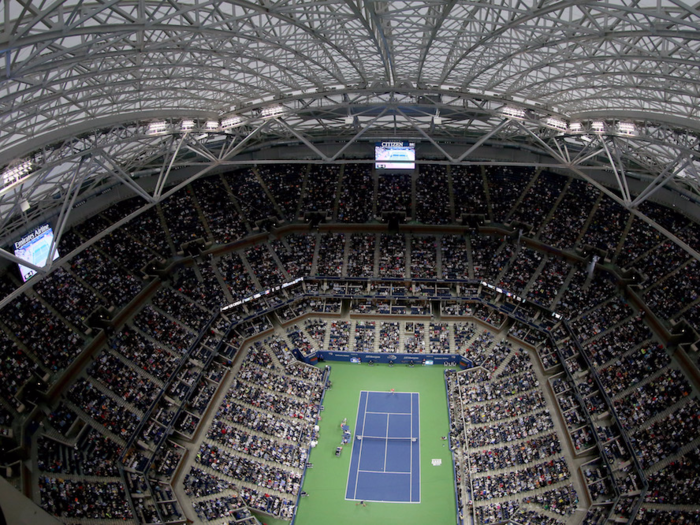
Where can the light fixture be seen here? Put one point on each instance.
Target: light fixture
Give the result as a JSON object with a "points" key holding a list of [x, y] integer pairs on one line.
{"points": [[16, 172], [575, 127], [627, 128], [513, 112], [154, 128], [230, 122], [271, 111], [187, 125], [211, 125], [598, 126], [555, 123]]}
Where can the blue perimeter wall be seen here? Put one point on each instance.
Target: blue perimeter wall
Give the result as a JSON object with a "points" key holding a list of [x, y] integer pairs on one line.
{"points": [[438, 359]]}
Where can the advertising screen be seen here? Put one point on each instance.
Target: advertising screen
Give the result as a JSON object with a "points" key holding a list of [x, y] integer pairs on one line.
{"points": [[394, 155], [34, 248]]}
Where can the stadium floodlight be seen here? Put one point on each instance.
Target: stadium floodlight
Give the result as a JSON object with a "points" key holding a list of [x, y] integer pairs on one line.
{"points": [[627, 128], [187, 125], [575, 127], [211, 125], [272, 111], [155, 128], [512, 112], [555, 123], [598, 126], [230, 122], [16, 172]]}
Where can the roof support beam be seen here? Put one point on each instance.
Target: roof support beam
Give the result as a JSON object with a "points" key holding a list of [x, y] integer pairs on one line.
{"points": [[483, 139], [165, 171], [695, 254], [619, 174], [304, 140], [660, 181], [68, 202], [218, 163], [428, 137], [116, 170], [12, 257], [357, 135]]}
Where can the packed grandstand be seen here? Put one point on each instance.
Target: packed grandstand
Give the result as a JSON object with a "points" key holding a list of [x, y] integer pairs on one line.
{"points": [[207, 205], [112, 361]]}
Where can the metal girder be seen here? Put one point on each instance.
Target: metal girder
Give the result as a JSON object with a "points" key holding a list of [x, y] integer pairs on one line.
{"points": [[128, 151], [68, 202], [575, 169], [79, 62], [659, 182], [167, 166], [618, 170], [99, 72]]}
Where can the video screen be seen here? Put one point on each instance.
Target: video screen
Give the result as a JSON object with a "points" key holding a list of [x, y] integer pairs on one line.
{"points": [[394, 155], [34, 248]]}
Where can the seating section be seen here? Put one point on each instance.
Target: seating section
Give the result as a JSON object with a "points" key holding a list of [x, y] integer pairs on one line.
{"points": [[356, 194], [490, 264], [509, 462], [259, 439]]}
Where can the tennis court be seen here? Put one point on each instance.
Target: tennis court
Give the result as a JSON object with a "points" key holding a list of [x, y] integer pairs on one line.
{"points": [[385, 461]]}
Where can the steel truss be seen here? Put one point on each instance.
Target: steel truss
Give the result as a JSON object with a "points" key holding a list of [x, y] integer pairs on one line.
{"points": [[83, 81], [130, 155]]}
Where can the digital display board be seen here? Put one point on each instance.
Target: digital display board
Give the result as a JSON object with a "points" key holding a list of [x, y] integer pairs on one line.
{"points": [[34, 248], [394, 155]]}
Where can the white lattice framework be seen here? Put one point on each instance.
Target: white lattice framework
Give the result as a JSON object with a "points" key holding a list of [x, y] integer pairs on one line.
{"points": [[82, 81]]}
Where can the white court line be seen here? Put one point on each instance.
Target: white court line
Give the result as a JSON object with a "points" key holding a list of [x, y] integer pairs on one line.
{"points": [[386, 472], [418, 416], [383, 501], [410, 459], [386, 442], [359, 404], [359, 457], [368, 392], [392, 413], [389, 438]]}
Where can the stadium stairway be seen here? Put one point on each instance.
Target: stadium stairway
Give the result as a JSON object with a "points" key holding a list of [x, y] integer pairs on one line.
{"points": [[665, 462], [261, 181], [144, 373], [649, 378], [523, 194], [623, 237], [241, 483], [663, 414], [589, 220], [234, 202], [109, 393], [553, 209], [237, 453], [613, 360], [564, 287], [95, 424], [166, 230], [535, 275], [200, 213], [487, 192]]}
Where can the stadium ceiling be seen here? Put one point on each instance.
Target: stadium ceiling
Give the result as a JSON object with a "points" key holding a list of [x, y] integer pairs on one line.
{"points": [[102, 93]]}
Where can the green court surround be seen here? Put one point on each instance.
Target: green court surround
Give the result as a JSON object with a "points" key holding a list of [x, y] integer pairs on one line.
{"points": [[326, 482]]}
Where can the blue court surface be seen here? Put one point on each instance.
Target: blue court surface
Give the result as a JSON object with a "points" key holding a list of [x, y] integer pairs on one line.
{"points": [[385, 461]]}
